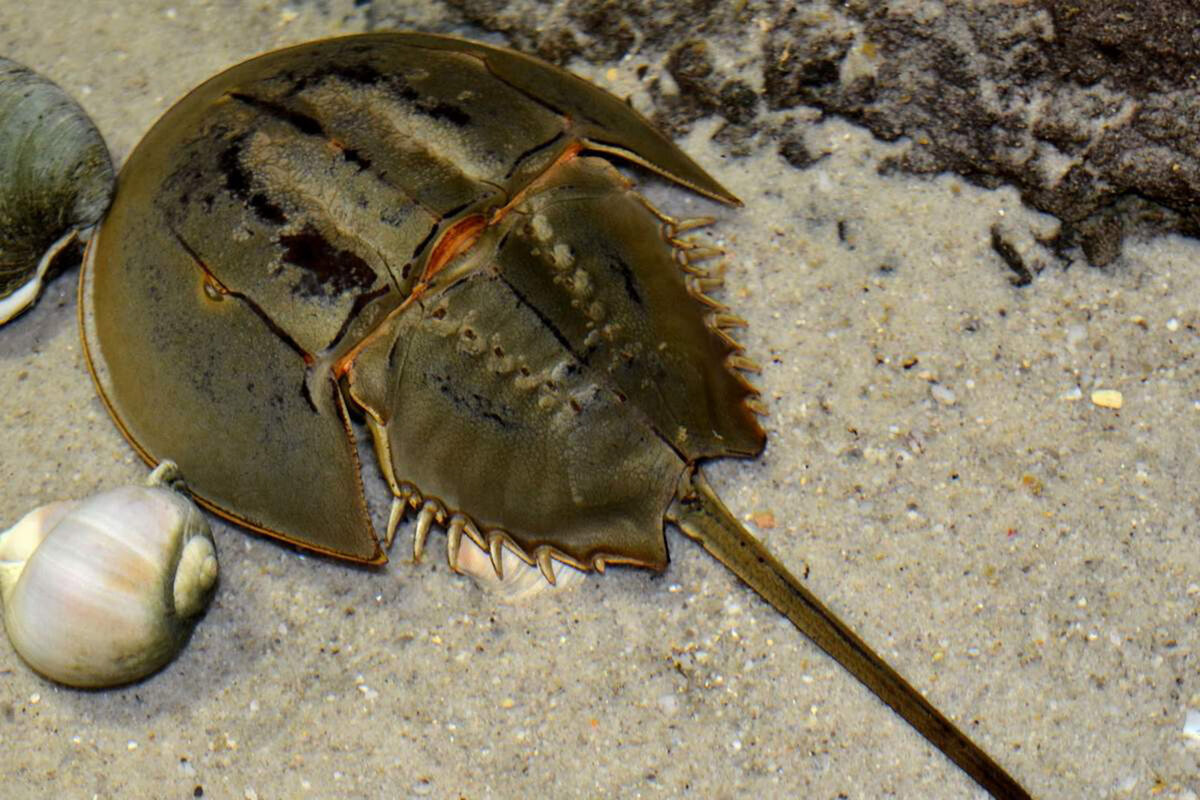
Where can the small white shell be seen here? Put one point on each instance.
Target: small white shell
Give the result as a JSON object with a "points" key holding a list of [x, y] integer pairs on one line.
{"points": [[106, 590], [520, 580]]}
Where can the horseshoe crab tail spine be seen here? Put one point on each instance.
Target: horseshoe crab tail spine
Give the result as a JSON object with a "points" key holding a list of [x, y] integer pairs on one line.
{"points": [[701, 515]]}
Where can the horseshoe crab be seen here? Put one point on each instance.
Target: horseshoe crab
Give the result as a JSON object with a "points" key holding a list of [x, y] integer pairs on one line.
{"points": [[427, 232]]}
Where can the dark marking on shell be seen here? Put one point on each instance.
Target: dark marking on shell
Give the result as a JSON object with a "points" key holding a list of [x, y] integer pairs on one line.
{"points": [[362, 74], [541, 316], [451, 212], [355, 156], [304, 123], [421, 245], [473, 403], [533, 151], [240, 184], [328, 270], [619, 266], [442, 111]]}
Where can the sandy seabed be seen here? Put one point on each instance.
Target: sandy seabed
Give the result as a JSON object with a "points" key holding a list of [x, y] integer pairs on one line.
{"points": [[936, 468]]}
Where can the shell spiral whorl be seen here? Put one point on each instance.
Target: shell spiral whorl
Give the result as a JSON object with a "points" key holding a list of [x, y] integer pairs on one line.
{"points": [[106, 590]]}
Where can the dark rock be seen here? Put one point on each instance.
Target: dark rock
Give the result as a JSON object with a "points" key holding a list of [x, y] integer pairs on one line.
{"points": [[737, 102], [796, 152], [1091, 110], [1009, 255], [1078, 105], [1100, 238], [690, 67]]}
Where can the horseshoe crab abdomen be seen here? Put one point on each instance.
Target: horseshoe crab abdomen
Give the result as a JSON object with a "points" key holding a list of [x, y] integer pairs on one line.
{"points": [[474, 403], [592, 258], [550, 350]]}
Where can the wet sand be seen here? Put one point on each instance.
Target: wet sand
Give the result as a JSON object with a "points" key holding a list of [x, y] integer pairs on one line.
{"points": [[936, 469]]}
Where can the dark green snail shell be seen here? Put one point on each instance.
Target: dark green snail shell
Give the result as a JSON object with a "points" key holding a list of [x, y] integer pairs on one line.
{"points": [[56, 180]]}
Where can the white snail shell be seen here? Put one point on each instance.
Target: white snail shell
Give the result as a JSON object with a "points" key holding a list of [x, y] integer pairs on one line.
{"points": [[106, 590], [520, 581]]}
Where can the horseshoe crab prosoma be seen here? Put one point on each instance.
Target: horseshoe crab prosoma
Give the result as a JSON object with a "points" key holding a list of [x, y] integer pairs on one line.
{"points": [[424, 230]]}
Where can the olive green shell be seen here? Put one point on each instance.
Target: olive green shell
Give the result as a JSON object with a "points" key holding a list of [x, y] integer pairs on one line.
{"points": [[416, 229], [55, 173]]}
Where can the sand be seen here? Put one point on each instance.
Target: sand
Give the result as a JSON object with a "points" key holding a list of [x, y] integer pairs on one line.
{"points": [[937, 470]]}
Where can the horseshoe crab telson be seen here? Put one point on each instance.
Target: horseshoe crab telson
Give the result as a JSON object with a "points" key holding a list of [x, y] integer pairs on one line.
{"points": [[423, 230]]}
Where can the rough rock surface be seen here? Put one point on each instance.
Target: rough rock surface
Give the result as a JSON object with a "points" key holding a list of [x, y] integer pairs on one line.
{"points": [[1089, 109]]}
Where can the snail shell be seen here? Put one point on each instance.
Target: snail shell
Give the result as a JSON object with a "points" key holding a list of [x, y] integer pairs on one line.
{"points": [[106, 590], [56, 181], [517, 581]]}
